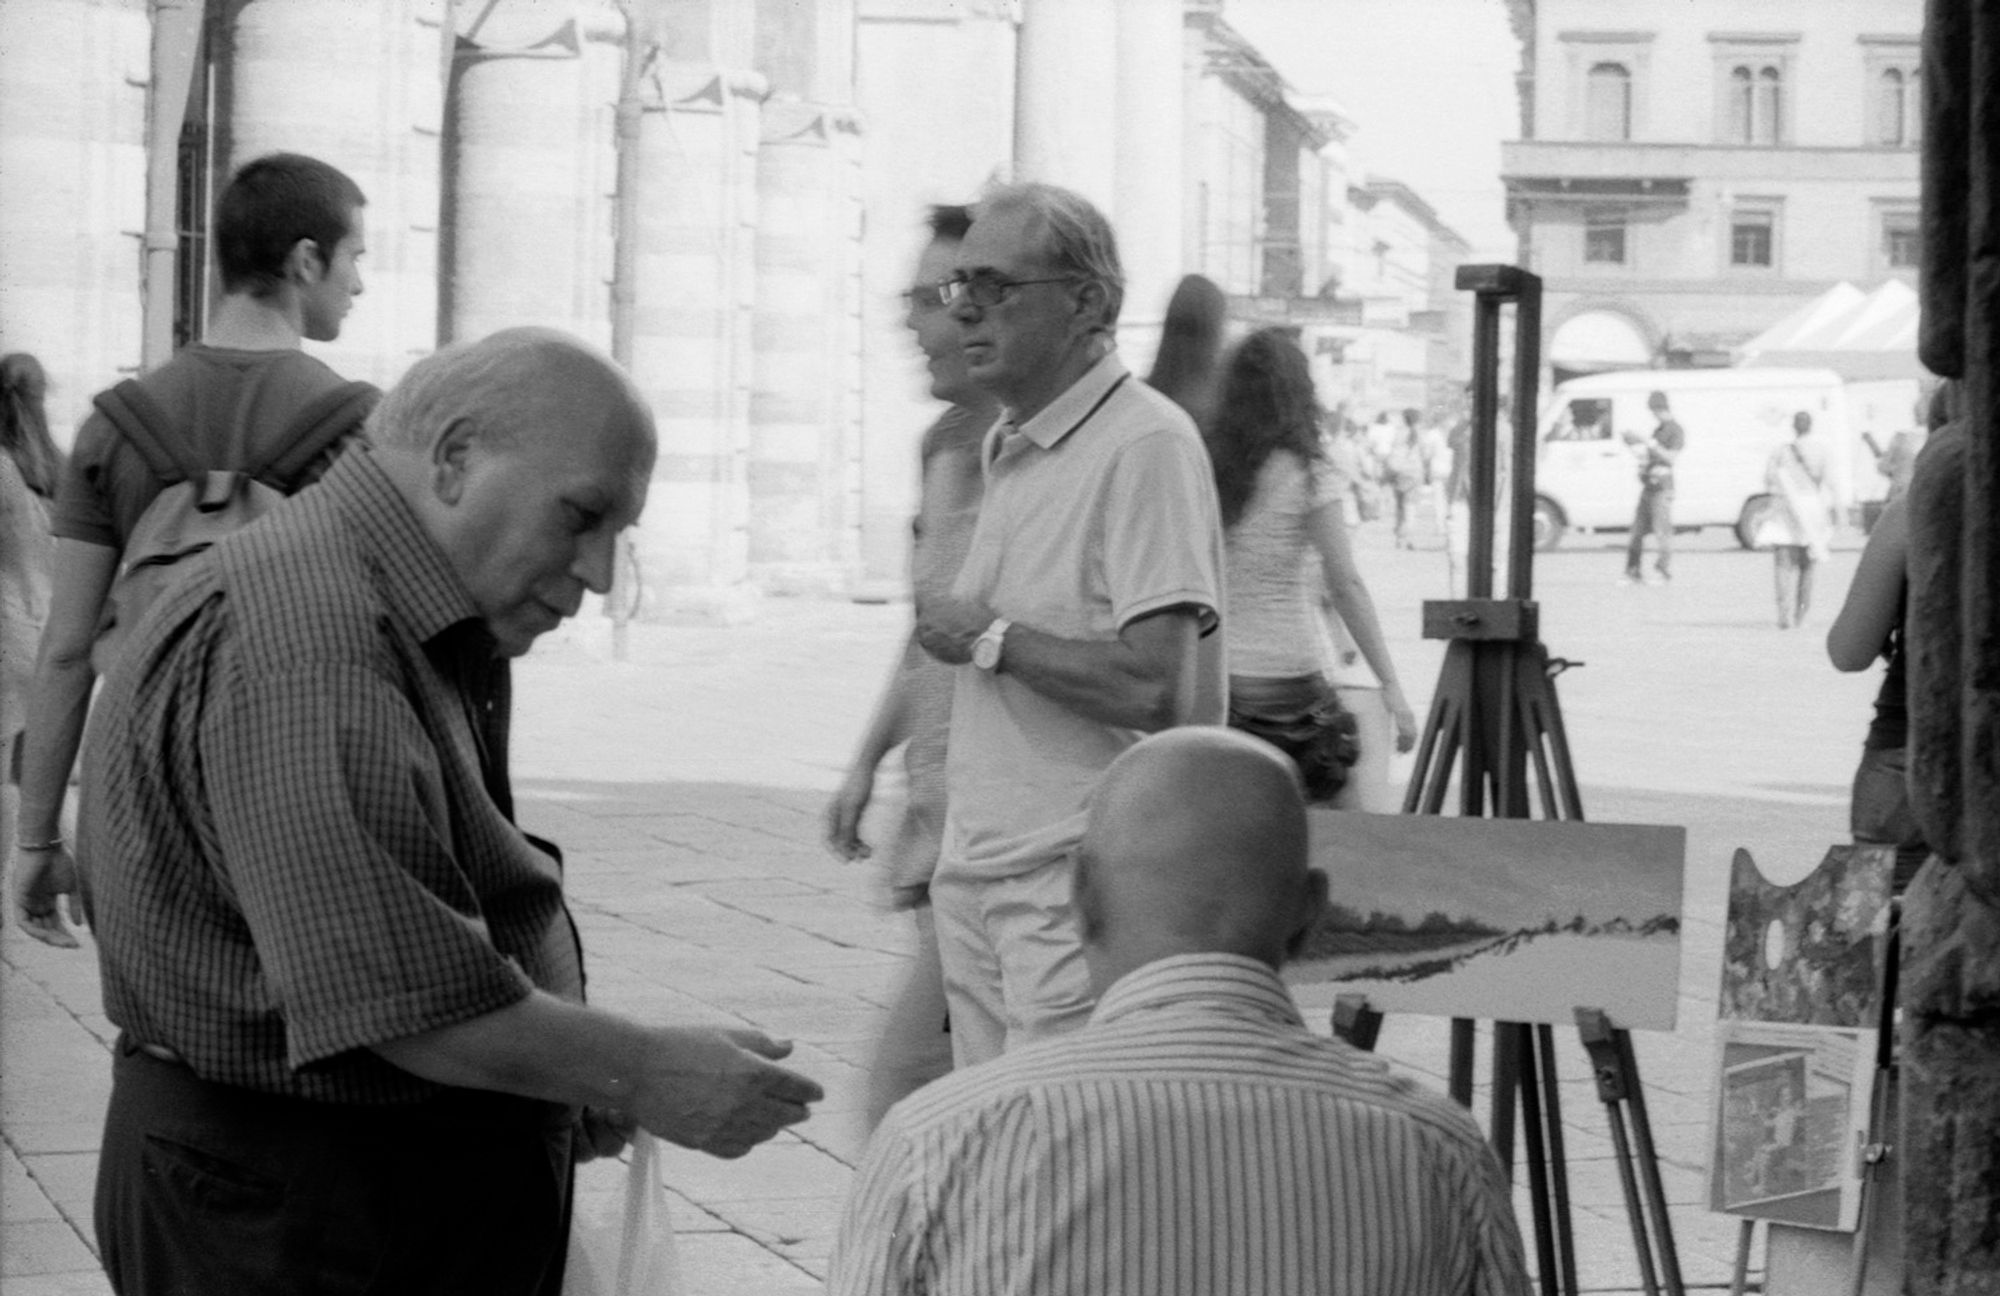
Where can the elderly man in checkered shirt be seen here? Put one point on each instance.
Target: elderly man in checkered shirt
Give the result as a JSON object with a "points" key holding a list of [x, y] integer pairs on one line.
{"points": [[354, 1049]]}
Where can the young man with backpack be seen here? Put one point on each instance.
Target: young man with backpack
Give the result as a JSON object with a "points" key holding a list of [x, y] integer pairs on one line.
{"points": [[172, 460]]}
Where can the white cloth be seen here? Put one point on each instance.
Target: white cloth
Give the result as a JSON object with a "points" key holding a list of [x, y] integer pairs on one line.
{"points": [[1796, 477], [1195, 1138]]}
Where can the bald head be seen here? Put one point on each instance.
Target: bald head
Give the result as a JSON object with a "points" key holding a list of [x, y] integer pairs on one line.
{"points": [[506, 384], [523, 455], [1196, 843]]}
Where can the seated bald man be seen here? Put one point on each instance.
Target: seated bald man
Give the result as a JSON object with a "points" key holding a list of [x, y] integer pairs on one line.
{"points": [[354, 1047], [1194, 1137]]}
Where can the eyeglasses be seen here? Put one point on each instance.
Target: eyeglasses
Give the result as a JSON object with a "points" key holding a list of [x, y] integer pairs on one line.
{"points": [[988, 287], [928, 296]]}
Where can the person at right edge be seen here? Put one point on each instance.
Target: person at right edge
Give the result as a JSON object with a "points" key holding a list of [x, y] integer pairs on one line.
{"points": [[1285, 544], [1656, 452], [1868, 628]]}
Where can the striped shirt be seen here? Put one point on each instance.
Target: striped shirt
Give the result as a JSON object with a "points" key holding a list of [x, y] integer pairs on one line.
{"points": [[295, 827], [1194, 1138]]}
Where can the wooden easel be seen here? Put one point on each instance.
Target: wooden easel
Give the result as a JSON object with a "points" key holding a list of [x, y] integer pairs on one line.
{"points": [[1495, 707]]}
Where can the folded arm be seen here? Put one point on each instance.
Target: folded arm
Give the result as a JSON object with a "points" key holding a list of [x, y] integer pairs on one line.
{"points": [[1144, 679]]}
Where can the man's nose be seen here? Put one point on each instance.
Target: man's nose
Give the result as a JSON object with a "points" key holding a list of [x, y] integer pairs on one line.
{"points": [[964, 309], [596, 560]]}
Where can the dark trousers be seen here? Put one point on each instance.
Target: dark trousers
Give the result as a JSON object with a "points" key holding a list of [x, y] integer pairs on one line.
{"points": [[204, 1189], [1655, 517]]}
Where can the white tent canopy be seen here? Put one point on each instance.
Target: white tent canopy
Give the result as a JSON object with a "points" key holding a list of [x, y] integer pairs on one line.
{"points": [[1858, 335]]}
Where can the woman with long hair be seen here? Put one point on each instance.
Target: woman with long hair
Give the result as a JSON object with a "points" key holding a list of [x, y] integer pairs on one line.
{"points": [[30, 466], [24, 427], [1286, 548]]}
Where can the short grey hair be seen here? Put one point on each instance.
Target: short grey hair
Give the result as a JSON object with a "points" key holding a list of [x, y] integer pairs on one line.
{"points": [[1076, 239], [490, 381]]}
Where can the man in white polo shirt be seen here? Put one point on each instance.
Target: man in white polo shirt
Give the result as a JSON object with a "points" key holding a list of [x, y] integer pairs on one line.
{"points": [[1084, 616]]}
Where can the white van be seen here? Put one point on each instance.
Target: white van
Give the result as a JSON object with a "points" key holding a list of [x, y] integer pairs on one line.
{"points": [[1587, 476]]}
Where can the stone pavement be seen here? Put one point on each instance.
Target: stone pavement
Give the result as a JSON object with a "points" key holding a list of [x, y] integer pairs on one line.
{"points": [[686, 784]]}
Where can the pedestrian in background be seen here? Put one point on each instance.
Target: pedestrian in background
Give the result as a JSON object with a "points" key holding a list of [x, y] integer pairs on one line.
{"points": [[1286, 546], [1407, 474], [1802, 517], [30, 467], [915, 707], [1656, 452], [287, 239], [1187, 369]]}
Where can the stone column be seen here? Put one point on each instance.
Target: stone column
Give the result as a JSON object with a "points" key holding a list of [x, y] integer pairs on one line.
{"points": [[910, 62], [691, 351], [356, 83], [72, 151], [804, 442], [1147, 204], [1950, 1144], [530, 169], [1066, 96]]}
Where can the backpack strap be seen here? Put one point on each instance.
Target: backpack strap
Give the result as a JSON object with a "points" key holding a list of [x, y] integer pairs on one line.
{"points": [[136, 416], [317, 426]]}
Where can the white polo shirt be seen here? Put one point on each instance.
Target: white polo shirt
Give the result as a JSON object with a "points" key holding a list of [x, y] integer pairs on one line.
{"points": [[1098, 511]]}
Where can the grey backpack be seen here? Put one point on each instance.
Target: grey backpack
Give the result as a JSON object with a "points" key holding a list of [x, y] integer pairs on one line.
{"points": [[202, 503]]}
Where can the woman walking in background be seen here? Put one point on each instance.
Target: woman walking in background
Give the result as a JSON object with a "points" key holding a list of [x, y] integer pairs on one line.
{"points": [[1286, 544], [1803, 519], [30, 466]]}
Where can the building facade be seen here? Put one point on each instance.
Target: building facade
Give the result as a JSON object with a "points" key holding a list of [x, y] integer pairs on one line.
{"points": [[728, 194], [1690, 173], [1359, 269]]}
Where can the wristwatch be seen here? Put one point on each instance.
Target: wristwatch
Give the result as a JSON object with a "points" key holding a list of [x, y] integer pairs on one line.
{"points": [[986, 648]]}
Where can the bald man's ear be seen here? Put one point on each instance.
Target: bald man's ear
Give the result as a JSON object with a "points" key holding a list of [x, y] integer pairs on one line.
{"points": [[1312, 908], [450, 458]]}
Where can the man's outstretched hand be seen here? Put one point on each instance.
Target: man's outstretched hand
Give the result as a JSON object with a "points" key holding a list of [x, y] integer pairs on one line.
{"points": [[717, 1091]]}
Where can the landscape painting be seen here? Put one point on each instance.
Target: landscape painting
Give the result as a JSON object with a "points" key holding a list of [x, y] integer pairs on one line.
{"points": [[1499, 919], [1790, 1110]]}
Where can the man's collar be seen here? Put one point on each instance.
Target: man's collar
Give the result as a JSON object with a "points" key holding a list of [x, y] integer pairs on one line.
{"points": [[1227, 978], [1072, 408], [418, 579]]}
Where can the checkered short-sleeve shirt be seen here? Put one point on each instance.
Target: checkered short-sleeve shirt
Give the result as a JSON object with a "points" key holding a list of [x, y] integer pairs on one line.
{"points": [[295, 826]]}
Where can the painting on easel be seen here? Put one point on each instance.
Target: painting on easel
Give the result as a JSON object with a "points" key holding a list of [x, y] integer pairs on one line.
{"points": [[1501, 919], [1795, 1032], [1791, 1107]]}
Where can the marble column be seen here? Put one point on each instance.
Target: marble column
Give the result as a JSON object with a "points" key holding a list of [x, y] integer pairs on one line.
{"points": [[530, 169], [73, 154], [358, 84]]}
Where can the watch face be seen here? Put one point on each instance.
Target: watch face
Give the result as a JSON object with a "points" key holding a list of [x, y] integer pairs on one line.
{"points": [[986, 653]]}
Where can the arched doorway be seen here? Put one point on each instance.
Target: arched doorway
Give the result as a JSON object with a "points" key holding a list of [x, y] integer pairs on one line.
{"points": [[1594, 341]]}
